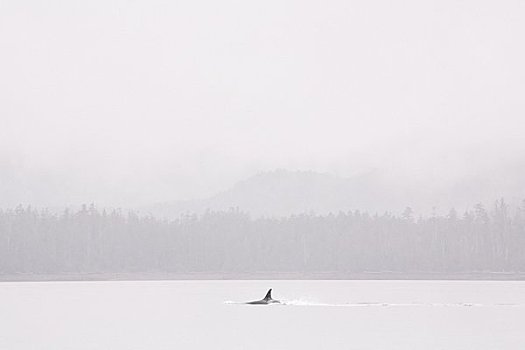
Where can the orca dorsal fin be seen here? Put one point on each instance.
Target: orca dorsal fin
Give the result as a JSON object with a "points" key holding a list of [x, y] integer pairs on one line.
{"points": [[268, 295]]}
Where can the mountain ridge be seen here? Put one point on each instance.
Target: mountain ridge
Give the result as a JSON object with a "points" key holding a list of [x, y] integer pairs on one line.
{"points": [[282, 193]]}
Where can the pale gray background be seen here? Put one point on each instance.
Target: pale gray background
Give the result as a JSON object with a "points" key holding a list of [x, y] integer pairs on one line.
{"points": [[128, 103]]}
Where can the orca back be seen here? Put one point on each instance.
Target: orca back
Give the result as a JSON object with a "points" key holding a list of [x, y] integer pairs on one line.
{"points": [[267, 300]]}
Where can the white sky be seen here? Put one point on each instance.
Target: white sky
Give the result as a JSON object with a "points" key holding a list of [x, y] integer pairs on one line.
{"points": [[133, 102]]}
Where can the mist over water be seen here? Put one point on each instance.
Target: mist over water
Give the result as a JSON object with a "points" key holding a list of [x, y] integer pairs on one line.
{"points": [[292, 140]]}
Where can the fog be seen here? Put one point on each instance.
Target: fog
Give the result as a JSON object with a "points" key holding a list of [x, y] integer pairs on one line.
{"points": [[131, 103], [270, 141]]}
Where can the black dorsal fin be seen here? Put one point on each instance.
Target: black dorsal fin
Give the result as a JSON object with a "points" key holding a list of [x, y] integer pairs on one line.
{"points": [[268, 295]]}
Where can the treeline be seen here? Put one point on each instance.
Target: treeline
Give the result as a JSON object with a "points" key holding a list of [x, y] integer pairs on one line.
{"points": [[94, 241]]}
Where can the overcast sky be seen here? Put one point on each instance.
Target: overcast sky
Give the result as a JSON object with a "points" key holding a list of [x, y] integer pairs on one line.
{"points": [[134, 102]]}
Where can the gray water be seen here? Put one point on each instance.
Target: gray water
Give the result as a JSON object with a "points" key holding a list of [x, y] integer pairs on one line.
{"points": [[314, 315]]}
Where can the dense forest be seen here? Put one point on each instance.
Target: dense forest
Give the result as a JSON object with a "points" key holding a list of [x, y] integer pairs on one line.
{"points": [[101, 241]]}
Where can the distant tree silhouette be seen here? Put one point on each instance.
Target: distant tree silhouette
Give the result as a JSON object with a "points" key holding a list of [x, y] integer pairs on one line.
{"points": [[93, 241]]}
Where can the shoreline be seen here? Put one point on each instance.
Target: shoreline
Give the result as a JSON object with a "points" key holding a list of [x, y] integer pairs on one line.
{"points": [[196, 276]]}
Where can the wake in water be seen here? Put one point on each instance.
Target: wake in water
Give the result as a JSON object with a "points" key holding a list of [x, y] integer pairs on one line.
{"points": [[302, 302]]}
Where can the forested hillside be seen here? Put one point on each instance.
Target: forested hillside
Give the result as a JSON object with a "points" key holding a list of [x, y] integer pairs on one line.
{"points": [[94, 241]]}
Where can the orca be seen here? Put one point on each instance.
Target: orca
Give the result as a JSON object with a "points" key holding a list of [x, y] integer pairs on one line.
{"points": [[267, 300]]}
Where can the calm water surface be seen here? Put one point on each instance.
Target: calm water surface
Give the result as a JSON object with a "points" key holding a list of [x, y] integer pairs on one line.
{"points": [[317, 315]]}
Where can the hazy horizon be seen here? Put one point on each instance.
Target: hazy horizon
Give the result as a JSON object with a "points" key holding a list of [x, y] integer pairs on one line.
{"points": [[129, 103], [376, 147]]}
